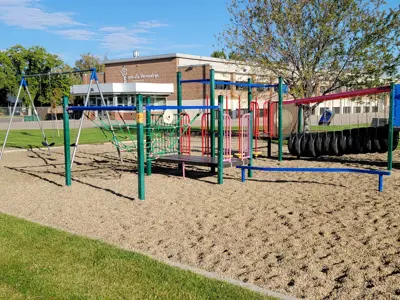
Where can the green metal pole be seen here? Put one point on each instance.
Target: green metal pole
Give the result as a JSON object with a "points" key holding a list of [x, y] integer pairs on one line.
{"points": [[280, 108], [221, 139], [249, 99], [67, 143], [148, 138], [179, 101], [140, 146], [212, 115], [390, 137], [300, 118]]}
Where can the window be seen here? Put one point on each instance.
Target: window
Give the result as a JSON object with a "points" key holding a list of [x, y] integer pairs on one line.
{"points": [[313, 111], [375, 109], [347, 110], [366, 109], [357, 109], [336, 110], [157, 100], [241, 88], [122, 100], [321, 110], [220, 86]]}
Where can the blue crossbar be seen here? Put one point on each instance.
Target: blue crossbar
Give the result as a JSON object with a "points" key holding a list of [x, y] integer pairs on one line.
{"points": [[204, 81], [317, 170], [252, 85], [243, 84], [164, 107], [100, 108]]}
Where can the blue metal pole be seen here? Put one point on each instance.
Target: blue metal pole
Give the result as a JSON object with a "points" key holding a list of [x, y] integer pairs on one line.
{"points": [[380, 188]]}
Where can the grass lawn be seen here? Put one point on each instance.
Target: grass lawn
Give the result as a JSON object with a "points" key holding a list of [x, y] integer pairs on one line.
{"points": [[32, 138], [39, 262]]}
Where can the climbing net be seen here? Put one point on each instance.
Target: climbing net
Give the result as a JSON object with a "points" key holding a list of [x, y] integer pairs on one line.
{"points": [[168, 133], [121, 134]]}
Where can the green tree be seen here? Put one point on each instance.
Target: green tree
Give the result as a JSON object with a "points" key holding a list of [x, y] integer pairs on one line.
{"points": [[88, 61], [314, 43], [8, 78], [17, 61], [219, 54]]}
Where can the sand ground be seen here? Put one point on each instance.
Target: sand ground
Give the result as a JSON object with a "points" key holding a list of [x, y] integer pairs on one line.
{"points": [[317, 236]]}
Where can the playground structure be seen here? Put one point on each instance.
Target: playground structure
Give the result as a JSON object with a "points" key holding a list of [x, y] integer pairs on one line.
{"points": [[249, 123], [376, 137], [24, 86], [380, 141]]}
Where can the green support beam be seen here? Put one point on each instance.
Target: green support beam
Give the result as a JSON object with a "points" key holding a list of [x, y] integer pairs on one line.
{"points": [[140, 146], [212, 115], [300, 118], [67, 143], [221, 139], [148, 138], [249, 99], [390, 137], [179, 101], [280, 108]]}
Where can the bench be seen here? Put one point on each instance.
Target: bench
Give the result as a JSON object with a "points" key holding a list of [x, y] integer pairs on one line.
{"points": [[317, 170]]}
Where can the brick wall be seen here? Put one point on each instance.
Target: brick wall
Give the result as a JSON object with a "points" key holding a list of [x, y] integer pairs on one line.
{"points": [[159, 71], [195, 91]]}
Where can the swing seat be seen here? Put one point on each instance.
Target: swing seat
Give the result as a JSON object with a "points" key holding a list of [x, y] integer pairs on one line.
{"points": [[48, 145]]}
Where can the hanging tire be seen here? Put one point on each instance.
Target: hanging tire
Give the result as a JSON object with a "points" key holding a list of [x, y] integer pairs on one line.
{"points": [[376, 146], [303, 144], [342, 143], [395, 140], [326, 140], [291, 139], [368, 140], [383, 133], [333, 145], [357, 143], [318, 145], [349, 141], [297, 145], [310, 150]]}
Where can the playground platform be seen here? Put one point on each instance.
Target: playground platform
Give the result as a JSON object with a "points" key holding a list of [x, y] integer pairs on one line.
{"points": [[200, 160]]}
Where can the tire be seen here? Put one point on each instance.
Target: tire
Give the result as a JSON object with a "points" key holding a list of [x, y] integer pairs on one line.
{"points": [[326, 140], [383, 132], [290, 143], [395, 140], [333, 145], [310, 150], [357, 144], [342, 140], [303, 144], [349, 141], [318, 145], [367, 140], [297, 145], [376, 147]]}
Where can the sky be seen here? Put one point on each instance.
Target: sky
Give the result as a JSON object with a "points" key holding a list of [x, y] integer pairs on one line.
{"points": [[113, 29]]}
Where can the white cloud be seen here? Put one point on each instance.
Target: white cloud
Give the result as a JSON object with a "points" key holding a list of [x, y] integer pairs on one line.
{"points": [[122, 41], [113, 28], [23, 13], [14, 2], [77, 34], [151, 24]]}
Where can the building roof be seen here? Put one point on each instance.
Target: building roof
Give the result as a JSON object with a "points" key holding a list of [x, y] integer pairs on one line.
{"points": [[168, 56], [164, 89]]}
